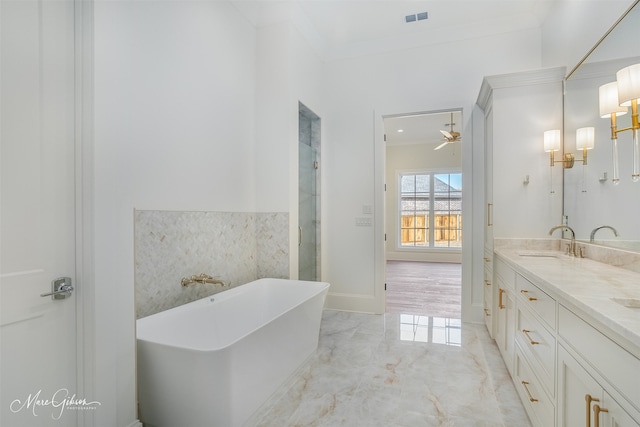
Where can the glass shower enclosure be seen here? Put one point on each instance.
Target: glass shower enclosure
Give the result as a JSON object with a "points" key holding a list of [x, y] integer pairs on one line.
{"points": [[308, 194]]}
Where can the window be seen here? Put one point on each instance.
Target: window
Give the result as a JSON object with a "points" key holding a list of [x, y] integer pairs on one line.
{"points": [[430, 210]]}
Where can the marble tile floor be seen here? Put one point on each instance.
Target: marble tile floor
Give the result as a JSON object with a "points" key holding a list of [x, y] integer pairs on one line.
{"points": [[397, 370]]}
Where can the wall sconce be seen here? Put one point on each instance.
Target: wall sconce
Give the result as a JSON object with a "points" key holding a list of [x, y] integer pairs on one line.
{"points": [[628, 93], [626, 89], [552, 139], [585, 141], [610, 108]]}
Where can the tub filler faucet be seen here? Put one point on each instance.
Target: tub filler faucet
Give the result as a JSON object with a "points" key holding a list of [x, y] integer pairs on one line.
{"points": [[202, 278], [572, 247]]}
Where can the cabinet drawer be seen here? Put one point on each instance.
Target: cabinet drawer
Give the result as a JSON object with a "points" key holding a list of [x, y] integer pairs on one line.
{"points": [[538, 345], [618, 367], [506, 273], [538, 405], [537, 300]]}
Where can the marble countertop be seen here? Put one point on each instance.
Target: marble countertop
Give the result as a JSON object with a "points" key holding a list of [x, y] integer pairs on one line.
{"points": [[587, 285]]}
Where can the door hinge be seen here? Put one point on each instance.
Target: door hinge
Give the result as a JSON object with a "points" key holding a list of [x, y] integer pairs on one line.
{"points": [[385, 237], [385, 137], [385, 286]]}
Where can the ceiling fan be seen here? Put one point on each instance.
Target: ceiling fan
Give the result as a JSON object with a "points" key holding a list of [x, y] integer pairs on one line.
{"points": [[450, 136]]}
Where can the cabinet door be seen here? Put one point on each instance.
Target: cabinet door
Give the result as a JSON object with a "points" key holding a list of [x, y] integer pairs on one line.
{"points": [[582, 401], [488, 179], [505, 324], [615, 415], [577, 392], [504, 309]]}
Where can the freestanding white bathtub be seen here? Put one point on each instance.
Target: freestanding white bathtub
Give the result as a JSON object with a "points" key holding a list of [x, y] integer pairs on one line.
{"points": [[215, 361]]}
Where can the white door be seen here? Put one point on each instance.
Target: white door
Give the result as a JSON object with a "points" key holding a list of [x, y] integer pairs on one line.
{"points": [[37, 334]]}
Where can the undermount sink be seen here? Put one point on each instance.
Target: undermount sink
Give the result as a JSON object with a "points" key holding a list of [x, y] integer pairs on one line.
{"points": [[632, 303], [538, 254]]}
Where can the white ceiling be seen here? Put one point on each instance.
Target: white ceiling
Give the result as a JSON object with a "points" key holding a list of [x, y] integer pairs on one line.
{"points": [[421, 128], [340, 28], [347, 28]]}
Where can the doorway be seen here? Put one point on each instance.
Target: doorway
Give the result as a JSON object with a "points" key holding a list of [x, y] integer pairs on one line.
{"points": [[423, 210], [308, 194], [41, 287]]}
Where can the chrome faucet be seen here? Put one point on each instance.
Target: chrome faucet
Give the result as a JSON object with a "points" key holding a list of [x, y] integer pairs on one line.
{"points": [[593, 233], [572, 247]]}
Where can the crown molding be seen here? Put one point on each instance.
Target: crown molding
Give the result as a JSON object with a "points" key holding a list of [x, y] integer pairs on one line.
{"points": [[523, 78]]}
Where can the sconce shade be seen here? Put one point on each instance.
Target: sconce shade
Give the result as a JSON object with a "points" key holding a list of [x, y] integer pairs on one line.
{"points": [[552, 140], [609, 103], [585, 138], [628, 84]]}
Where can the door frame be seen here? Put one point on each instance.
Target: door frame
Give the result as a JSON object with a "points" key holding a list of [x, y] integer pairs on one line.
{"points": [[379, 193], [85, 277], [380, 258]]}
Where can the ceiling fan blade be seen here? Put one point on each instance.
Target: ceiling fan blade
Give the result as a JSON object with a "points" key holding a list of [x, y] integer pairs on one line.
{"points": [[441, 145], [446, 134]]}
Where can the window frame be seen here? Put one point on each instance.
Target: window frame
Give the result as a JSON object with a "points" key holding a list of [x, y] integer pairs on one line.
{"points": [[431, 210]]}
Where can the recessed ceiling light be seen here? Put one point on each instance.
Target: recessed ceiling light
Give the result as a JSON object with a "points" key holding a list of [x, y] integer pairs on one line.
{"points": [[400, 130]]}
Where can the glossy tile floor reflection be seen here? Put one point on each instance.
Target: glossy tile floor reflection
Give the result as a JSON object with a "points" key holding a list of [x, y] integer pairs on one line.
{"points": [[397, 370]]}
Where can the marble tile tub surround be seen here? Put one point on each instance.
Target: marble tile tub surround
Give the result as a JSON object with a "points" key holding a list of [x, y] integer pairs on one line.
{"points": [[606, 255], [236, 247], [364, 374]]}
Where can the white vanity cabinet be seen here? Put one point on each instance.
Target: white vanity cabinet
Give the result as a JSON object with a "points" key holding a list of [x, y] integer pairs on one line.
{"points": [[568, 366]]}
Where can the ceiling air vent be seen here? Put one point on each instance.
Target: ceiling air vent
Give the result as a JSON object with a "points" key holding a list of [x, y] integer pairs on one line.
{"points": [[416, 17]]}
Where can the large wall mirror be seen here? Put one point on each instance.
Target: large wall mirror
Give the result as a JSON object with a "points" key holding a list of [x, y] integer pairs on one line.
{"points": [[591, 197]]}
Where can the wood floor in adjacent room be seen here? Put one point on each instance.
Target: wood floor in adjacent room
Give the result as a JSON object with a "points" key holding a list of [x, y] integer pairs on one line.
{"points": [[424, 288]]}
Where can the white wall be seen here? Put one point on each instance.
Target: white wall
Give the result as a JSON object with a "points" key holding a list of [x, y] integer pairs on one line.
{"points": [[416, 157], [174, 129], [574, 27], [288, 72], [398, 82]]}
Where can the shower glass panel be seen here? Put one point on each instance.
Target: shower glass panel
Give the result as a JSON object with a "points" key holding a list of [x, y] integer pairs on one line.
{"points": [[309, 195]]}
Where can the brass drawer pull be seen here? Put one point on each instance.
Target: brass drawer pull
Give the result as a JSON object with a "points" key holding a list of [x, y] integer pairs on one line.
{"points": [[488, 283], [588, 398], [531, 398], [486, 312], [596, 414], [526, 332], [487, 259], [501, 305], [524, 291]]}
